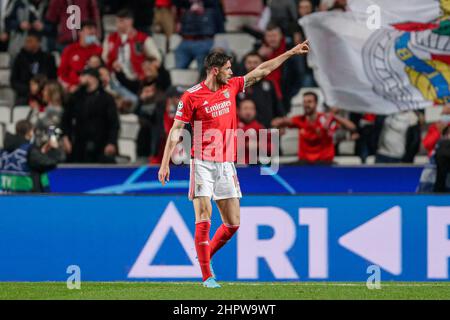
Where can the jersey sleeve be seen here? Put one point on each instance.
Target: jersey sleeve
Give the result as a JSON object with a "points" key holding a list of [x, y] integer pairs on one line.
{"points": [[296, 123], [238, 83], [184, 109]]}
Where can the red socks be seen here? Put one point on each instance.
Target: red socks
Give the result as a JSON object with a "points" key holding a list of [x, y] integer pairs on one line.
{"points": [[223, 234], [203, 247]]}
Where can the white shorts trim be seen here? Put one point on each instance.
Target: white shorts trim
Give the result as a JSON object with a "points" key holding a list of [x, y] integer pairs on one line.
{"points": [[216, 180]]}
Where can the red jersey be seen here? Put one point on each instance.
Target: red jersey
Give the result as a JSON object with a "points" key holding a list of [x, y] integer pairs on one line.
{"points": [[212, 115], [73, 61], [315, 138]]}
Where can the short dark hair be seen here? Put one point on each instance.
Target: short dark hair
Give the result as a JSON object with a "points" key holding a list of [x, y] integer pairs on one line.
{"points": [[216, 59], [88, 24], [35, 34], [311, 93], [23, 127], [125, 13], [273, 26], [253, 54]]}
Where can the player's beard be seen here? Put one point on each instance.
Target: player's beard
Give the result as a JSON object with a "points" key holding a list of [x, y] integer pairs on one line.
{"points": [[221, 79]]}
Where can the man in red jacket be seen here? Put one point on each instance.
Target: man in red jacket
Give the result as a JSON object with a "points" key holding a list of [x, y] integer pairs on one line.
{"points": [[247, 121], [316, 131], [76, 55], [125, 50]]}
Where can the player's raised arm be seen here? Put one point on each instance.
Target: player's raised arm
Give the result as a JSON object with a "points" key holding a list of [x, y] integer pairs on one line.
{"points": [[172, 141], [265, 68]]}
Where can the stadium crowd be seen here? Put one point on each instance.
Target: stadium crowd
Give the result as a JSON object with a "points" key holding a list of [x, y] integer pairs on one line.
{"points": [[113, 85]]}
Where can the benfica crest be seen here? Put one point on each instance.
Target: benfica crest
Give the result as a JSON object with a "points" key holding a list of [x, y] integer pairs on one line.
{"points": [[226, 93], [410, 63]]}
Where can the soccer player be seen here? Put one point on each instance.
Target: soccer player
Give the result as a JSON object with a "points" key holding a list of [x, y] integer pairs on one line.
{"points": [[210, 107]]}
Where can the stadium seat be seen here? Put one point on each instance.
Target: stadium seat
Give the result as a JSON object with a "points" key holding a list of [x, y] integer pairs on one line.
{"points": [[109, 23], [347, 147], [4, 61], [184, 77], [7, 96], [57, 57], [370, 160], [4, 77], [234, 23], [129, 126], [160, 41], [169, 61], [288, 159], [289, 142], [20, 113], [347, 160], [421, 159], [296, 110], [239, 43], [5, 114], [174, 41], [11, 128], [127, 148]]}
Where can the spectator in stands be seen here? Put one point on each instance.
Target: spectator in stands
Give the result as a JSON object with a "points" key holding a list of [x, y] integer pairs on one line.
{"points": [[287, 78], [393, 142], [142, 11], [164, 19], [53, 96], [126, 100], [338, 5], [23, 16], [247, 121], [149, 98], [274, 45], [153, 72], [160, 124], [316, 131], [27, 164], [443, 162], [435, 130], [200, 21], [305, 7], [124, 51], [94, 62], [366, 138], [30, 62], [4, 36], [76, 55], [90, 122], [57, 17], [263, 93], [36, 95], [284, 14], [243, 14]]}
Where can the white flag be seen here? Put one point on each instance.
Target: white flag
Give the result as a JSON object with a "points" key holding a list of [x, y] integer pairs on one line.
{"points": [[403, 64]]}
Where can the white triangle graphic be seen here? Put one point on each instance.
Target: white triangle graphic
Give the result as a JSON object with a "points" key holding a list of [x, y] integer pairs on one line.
{"points": [[170, 219], [379, 240]]}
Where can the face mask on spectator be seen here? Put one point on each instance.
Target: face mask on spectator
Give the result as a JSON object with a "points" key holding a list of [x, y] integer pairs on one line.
{"points": [[90, 39]]}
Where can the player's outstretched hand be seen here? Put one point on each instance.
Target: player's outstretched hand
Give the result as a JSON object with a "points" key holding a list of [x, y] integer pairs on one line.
{"points": [[301, 48], [164, 174]]}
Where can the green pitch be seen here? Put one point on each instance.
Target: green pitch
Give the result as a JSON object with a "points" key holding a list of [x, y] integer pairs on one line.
{"points": [[239, 291]]}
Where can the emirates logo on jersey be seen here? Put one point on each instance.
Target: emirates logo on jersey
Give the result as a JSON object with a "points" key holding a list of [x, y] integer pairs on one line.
{"points": [[226, 93]]}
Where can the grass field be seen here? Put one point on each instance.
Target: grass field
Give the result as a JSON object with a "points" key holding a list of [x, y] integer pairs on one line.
{"points": [[238, 291]]}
